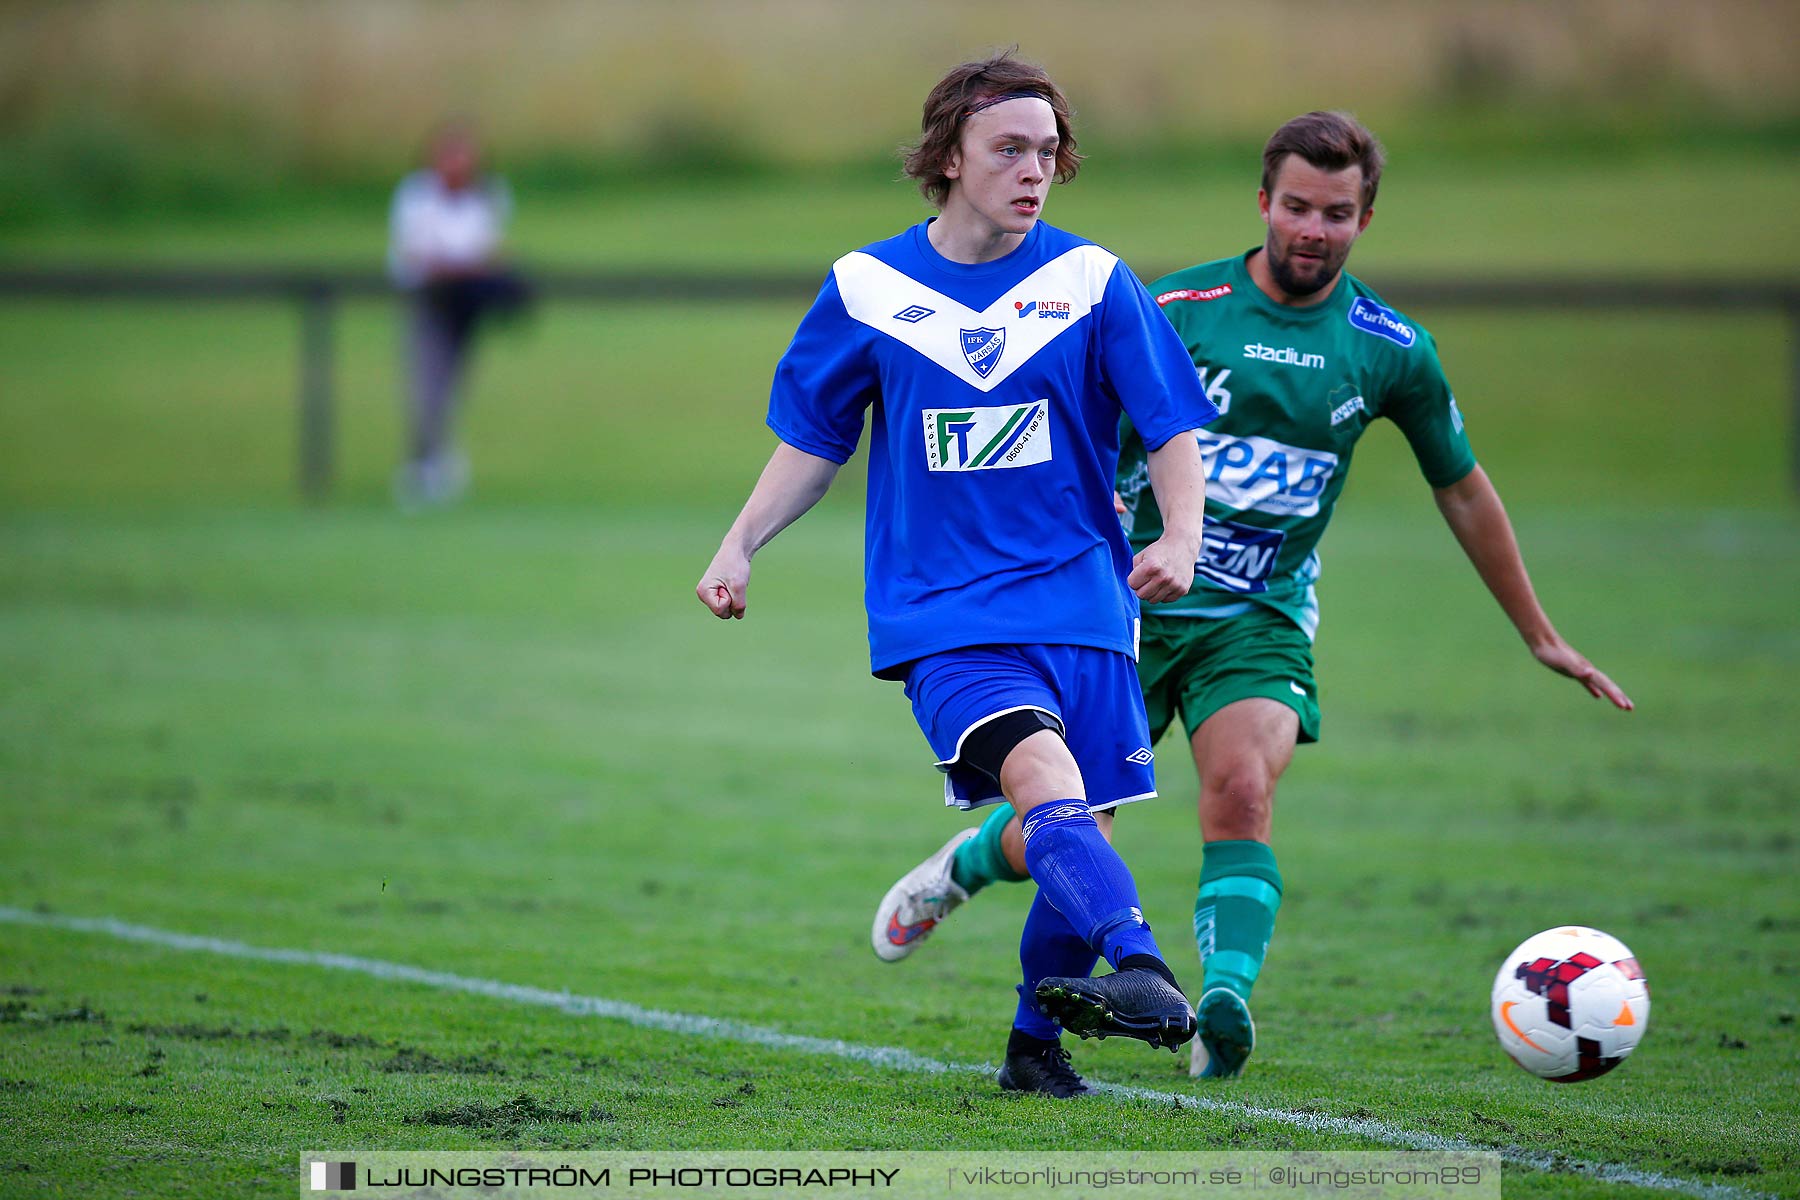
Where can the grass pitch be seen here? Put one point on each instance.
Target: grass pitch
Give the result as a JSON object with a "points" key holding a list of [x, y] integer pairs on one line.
{"points": [[507, 744]]}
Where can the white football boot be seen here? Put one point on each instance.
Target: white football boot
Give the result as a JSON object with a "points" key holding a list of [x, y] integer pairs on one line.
{"points": [[913, 907]]}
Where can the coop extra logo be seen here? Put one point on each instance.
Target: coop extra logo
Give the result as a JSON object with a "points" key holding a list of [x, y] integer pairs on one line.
{"points": [[1200, 295]]}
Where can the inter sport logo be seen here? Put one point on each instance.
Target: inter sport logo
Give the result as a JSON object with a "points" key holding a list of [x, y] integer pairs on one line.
{"points": [[1044, 310], [983, 347], [978, 439]]}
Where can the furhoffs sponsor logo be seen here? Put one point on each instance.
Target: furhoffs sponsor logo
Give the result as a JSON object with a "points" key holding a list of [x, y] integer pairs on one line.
{"points": [[1371, 317]]}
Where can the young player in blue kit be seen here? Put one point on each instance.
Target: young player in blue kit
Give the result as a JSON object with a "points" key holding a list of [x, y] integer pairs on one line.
{"points": [[994, 355], [1302, 359]]}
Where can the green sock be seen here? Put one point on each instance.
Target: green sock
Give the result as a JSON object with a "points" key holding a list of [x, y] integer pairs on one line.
{"points": [[1234, 912], [980, 860]]}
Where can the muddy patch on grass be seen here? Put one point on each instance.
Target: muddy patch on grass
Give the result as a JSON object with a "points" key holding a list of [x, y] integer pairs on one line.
{"points": [[410, 1061], [736, 1098], [20, 1012], [192, 1032], [506, 1119]]}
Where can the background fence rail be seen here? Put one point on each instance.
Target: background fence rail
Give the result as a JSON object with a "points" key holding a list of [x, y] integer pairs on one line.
{"points": [[317, 293]]}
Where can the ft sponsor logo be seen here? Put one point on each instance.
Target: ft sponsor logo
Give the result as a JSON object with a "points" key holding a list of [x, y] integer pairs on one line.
{"points": [[978, 439]]}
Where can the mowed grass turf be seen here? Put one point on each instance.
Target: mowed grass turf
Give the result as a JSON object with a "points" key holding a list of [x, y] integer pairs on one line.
{"points": [[506, 742]]}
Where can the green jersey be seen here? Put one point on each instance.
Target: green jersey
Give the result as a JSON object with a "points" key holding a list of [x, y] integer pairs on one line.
{"points": [[1295, 388]]}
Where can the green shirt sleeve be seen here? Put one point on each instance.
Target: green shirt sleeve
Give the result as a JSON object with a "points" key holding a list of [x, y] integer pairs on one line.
{"points": [[1423, 407]]}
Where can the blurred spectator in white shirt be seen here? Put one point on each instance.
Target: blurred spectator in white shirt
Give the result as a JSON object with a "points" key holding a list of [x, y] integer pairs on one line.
{"points": [[444, 252]]}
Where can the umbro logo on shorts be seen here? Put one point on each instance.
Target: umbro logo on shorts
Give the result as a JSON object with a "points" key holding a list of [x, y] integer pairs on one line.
{"points": [[1141, 756]]}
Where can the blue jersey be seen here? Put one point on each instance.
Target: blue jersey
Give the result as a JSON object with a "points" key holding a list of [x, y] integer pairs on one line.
{"points": [[994, 390]]}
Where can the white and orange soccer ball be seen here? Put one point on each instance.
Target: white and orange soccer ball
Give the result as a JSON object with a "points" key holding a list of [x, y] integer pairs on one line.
{"points": [[1570, 1003]]}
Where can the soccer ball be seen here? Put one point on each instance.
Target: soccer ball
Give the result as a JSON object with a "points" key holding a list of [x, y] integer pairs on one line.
{"points": [[1570, 1003]]}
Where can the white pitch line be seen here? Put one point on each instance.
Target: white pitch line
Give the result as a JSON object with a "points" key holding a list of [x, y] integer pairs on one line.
{"points": [[891, 1057]]}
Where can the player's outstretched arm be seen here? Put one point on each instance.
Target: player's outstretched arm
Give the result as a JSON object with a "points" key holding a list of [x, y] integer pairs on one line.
{"points": [[792, 483], [1475, 514], [1164, 570]]}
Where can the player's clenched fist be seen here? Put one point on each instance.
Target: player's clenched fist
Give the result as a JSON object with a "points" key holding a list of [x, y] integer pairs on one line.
{"points": [[725, 586], [1161, 573]]}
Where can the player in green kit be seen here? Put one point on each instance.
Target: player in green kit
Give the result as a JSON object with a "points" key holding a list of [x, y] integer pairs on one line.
{"points": [[1300, 358]]}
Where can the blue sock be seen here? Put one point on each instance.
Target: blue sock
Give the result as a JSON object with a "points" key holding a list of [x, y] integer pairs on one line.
{"points": [[1087, 881], [1049, 946]]}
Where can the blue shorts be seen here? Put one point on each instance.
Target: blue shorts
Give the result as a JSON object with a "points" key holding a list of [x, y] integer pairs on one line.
{"points": [[1091, 694]]}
